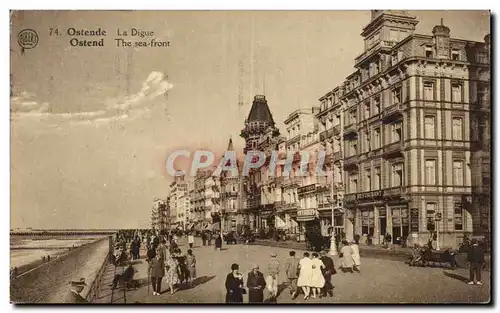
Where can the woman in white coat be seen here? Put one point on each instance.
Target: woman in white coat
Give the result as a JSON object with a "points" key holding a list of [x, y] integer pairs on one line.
{"points": [[356, 258], [305, 275], [317, 278]]}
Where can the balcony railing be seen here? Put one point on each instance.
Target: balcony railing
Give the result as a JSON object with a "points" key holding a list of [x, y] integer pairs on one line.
{"points": [[306, 189], [230, 194], [350, 130], [394, 191], [337, 155], [392, 112], [394, 148], [351, 161], [336, 129]]}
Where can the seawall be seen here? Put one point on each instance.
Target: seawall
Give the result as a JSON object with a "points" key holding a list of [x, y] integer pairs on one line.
{"points": [[49, 283]]}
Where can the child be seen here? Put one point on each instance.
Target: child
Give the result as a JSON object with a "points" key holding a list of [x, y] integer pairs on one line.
{"points": [[191, 266]]}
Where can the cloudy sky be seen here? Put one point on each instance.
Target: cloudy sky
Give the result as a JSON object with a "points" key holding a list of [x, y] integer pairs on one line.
{"points": [[92, 127]]}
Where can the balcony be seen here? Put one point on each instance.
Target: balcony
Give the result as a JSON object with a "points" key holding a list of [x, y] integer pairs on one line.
{"points": [[336, 156], [393, 112], [350, 130], [291, 181], [336, 129], [351, 161], [393, 149], [394, 192], [230, 194]]}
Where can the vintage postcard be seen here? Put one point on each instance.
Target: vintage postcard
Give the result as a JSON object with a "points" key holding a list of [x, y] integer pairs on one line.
{"points": [[312, 157]]}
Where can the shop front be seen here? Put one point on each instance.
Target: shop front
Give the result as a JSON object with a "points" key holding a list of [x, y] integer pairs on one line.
{"points": [[308, 222]]}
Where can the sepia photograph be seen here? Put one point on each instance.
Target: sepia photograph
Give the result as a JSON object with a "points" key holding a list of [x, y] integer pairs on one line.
{"points": [[279, 157]]}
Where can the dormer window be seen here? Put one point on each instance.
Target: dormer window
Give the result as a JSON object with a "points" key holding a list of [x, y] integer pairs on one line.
{"points": [[428, 52], [455, 55]]}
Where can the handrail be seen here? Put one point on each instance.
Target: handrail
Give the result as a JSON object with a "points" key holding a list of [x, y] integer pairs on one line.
{"points": [[93, 290]]}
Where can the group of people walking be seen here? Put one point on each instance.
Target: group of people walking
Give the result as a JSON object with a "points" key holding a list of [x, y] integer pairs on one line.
{"points": [[172, 265], [312, 274]]}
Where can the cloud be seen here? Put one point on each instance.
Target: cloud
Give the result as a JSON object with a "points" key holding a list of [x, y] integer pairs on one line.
{"points": [[127, 108]]}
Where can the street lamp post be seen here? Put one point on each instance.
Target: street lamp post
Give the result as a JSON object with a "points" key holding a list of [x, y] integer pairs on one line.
{"points": [[438, 218]]}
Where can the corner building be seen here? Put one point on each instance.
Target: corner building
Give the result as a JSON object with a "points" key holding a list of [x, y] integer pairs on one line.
{"points": [[413, 114]]}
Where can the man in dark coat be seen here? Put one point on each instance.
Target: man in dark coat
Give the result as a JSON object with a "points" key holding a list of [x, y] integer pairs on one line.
{"points": [[157, 272], [475, 257], [328, 271], [256, 284], [126, 277]]}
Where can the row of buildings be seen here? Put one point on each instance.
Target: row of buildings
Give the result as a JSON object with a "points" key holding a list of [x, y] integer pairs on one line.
{"points": [[407, 142]]}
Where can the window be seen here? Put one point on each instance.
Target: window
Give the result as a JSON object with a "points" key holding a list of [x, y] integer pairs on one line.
{"points": [[376, 138], [376, 106], [458, 214], [378, 179], [457, 128], [367, 222], [456, 92], [366, 137], [397, 175], [396, 132], [394, 59], [396, 95], [367, 110], [430, 210], [430, 172], [393, 35], [458, 173], [354, 147], [336, 144], [368, 180], [336, 121], [428, 91], [430, 127], [455, 55], [338, 174], [353, 183], [352, 117], [428, 52]]}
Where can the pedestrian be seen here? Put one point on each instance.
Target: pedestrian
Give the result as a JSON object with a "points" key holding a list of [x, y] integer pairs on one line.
{"points": [[48, 258], [209, 238], [234, 285], [475, 258], [356, 258], [190, 240], [328, 271], [317, 279], [218, 241], [346, 256], [151, 254], [305, 275], [273, 267], [162, 250], [204, 238], [156, 271], [292, 271], [191, 266], [256, 284], [171, 273], [43, 259]]}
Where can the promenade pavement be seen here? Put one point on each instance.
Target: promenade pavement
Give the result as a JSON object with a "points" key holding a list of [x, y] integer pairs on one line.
{"points": [[380, 281]]}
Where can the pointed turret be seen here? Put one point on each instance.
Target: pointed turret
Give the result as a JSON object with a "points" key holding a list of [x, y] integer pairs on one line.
{"points": [[260, 111], [230, 145]]}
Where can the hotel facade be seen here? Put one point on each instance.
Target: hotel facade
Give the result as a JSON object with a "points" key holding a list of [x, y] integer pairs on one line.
{"points": [[412, 118]]}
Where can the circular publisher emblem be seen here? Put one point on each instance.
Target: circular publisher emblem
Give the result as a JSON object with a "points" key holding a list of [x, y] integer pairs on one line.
{"points": [[27, 39]]}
